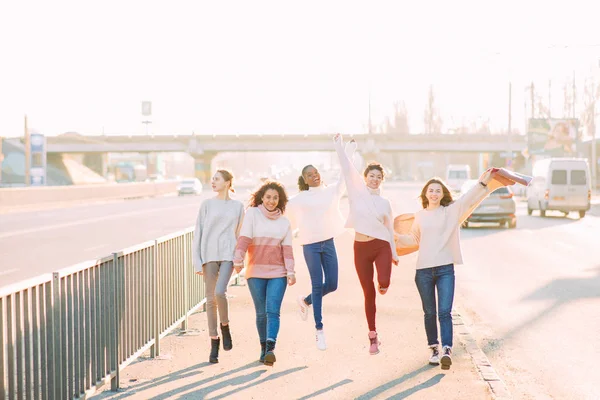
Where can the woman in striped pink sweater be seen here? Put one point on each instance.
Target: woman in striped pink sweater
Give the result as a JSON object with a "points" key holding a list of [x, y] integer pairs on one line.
{"points": [[267, 238]]}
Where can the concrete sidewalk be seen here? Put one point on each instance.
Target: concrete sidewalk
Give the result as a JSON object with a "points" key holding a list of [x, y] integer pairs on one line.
{"points": [[344, 371]]}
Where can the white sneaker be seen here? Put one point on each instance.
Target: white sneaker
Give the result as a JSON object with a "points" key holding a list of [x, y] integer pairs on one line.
{"points": [[302, 308], [321, 345], [435, 355], [446, 359]]}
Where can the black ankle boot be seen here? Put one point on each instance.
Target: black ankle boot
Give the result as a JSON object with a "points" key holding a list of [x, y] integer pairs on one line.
{"points": [[263, 350], [214, 350], [269, 353], [227, 342]]}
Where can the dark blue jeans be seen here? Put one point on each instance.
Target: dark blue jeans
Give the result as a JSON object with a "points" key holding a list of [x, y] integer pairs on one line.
{"points": [[267, 295], [321, 259], [442, 278]]}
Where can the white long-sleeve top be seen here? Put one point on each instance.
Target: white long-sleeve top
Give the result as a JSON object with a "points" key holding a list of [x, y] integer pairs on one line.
{"points": [[316, 212], [437, 232], [215, 235], [370, 213]]}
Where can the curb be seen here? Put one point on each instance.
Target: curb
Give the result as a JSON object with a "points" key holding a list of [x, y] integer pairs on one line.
{"points": [[480, 360]]}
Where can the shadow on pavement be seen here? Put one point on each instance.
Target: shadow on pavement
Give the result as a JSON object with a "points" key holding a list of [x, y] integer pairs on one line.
{"points": [[434, 380], [386, 386], [327, 389], [561, 291], [202, 393], [181, 374]]}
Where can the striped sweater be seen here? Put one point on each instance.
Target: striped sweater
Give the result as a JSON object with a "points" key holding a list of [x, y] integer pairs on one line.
{"points": [[268, 241]]}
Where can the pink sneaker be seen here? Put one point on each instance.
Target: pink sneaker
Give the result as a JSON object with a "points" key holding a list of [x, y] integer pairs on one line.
{"points": [[375, 343]]}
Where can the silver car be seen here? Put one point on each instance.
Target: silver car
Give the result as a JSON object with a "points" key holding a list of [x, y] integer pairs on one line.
{"points": [[499, 207], [189, 186]]}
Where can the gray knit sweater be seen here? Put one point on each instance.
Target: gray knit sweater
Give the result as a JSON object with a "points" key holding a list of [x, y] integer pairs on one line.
{"points": [[217, 227]]}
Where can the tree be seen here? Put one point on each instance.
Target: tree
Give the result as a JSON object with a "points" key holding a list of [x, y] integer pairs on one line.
{"points": [[399, 126], [591, 93], [432, 118]]}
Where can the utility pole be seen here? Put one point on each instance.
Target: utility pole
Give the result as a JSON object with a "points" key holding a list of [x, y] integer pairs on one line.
{"points": [[509, 158], [27, 154], [1, 159], [549, 98], [370, 111], [594, 144], [532, 101], [574, 97]]}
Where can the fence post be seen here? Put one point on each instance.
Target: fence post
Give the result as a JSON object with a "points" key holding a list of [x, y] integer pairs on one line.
{"points": [[116, 323], [186, 300], [57, 336], [155, 350]]}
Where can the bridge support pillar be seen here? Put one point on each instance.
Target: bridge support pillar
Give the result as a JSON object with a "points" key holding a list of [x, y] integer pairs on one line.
{"points": [[97, 162], [203, 166]]}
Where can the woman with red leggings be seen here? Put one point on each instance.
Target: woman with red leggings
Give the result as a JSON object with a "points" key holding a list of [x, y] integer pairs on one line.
{"points": [[371, 217]]}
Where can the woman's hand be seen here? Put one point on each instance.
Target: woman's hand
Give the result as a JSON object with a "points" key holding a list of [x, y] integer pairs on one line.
{"points": [[238, 268], [395, 262], [291, 280], [199, 272], [337, 137], [493, 180]]}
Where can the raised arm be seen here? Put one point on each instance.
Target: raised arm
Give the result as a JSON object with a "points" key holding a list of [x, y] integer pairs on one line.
{"points": [[341, 183], [354, 181], [465, 204]]}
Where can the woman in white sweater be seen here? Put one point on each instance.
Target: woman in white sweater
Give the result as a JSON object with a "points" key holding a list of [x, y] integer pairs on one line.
{"points": [[372, 219], [217, 227], [315, 213], [436, 231]]}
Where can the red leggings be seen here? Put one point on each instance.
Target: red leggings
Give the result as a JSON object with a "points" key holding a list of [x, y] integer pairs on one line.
{"points": [[365, 254]]}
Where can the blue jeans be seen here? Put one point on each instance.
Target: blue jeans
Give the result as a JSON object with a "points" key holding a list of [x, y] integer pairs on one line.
{"points": [[427, 280], [267, 295], [321, 259]]}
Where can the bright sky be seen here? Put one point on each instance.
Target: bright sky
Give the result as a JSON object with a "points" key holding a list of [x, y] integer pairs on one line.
{"points": [[281, 67]]}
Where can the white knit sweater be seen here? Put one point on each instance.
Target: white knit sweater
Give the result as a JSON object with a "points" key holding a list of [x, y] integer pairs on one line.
{"points": [[316, 212], [216, 230], [370, 213], [437, 232]]}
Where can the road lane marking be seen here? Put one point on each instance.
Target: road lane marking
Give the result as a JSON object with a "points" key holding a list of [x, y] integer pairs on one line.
{"points": [[8, 271], [92, 220]]}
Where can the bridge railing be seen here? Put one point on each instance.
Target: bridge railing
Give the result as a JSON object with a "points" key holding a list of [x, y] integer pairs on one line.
{"points": [[67, 333]]}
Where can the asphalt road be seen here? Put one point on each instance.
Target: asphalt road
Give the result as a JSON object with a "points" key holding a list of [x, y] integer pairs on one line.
{"points": [[531, 295]]}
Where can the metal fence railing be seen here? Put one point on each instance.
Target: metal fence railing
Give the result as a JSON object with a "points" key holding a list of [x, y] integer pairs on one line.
{"points": [[67, 333]]}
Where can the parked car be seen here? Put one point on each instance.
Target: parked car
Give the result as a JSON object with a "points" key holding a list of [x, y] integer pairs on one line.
{"points": [[457, 175], [561, 184], [499, 207], [189, 186]]}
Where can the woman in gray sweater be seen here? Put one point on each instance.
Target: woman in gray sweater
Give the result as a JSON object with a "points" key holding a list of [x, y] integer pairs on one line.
{"points": [[217, 227]]}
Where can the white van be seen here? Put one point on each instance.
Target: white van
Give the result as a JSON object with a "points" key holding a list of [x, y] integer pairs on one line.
{"points": [[457, 175], [561, 184]]}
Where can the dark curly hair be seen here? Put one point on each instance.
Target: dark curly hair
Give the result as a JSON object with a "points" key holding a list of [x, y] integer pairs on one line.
{"points": [[372, 166], [256, 197], [446, 199]]}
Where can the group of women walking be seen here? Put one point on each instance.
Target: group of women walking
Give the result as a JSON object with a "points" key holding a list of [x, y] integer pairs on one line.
{"points": [[227, 238]]}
